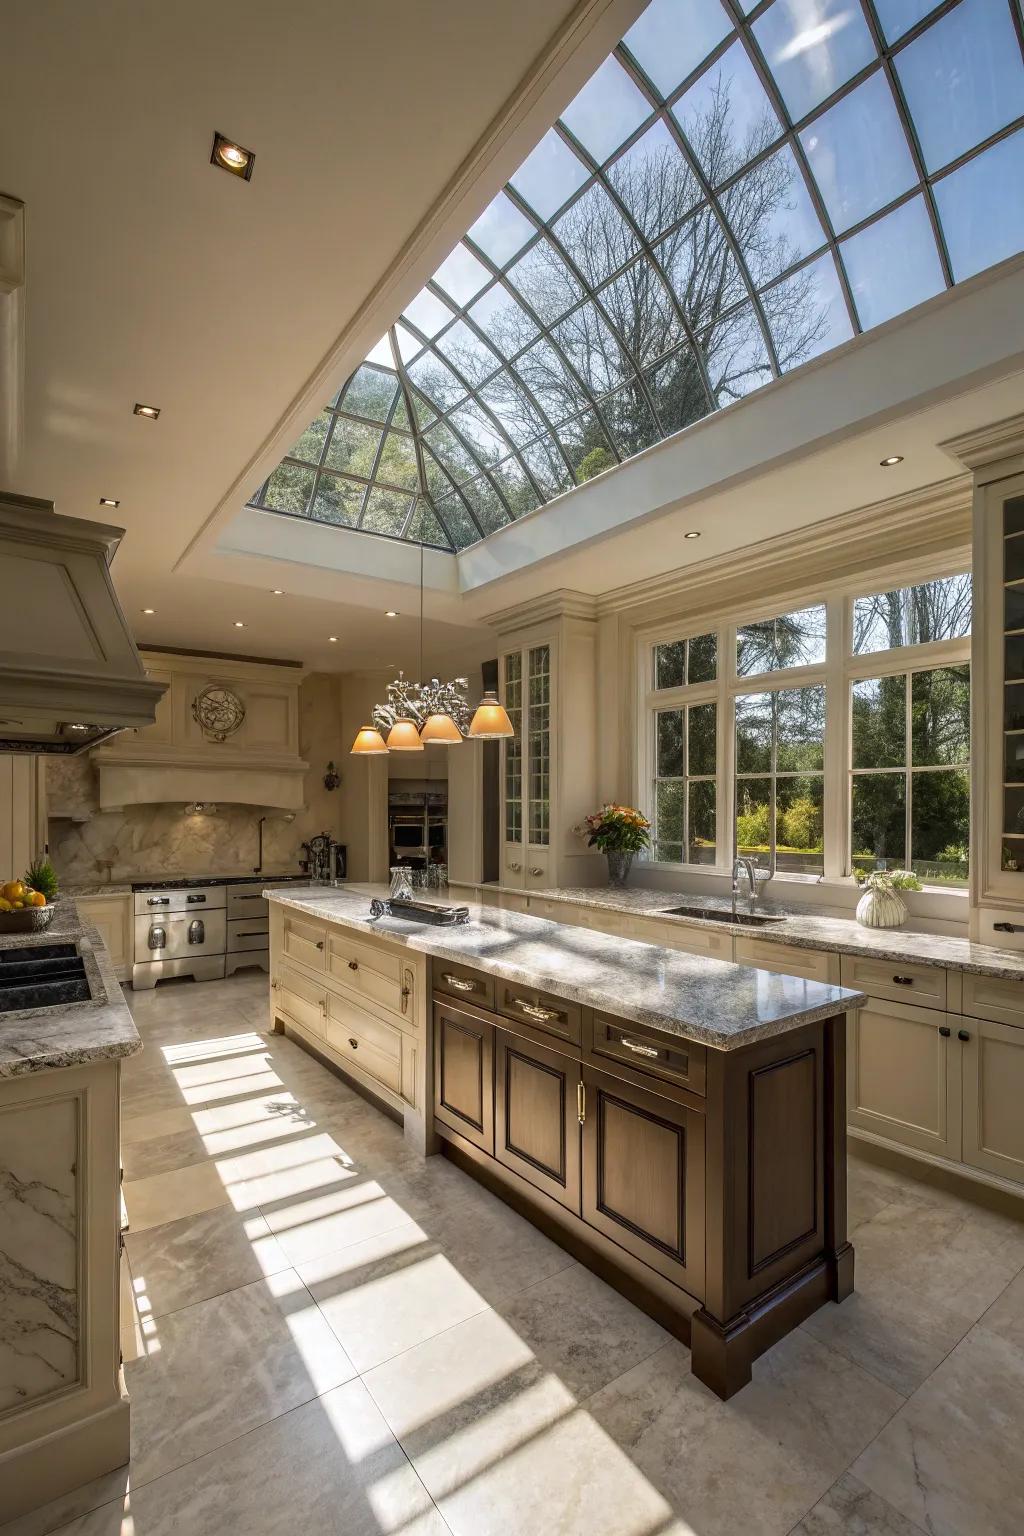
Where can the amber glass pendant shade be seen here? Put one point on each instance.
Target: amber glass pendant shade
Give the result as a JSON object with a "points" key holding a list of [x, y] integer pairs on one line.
{"points": [[442, 730], [404, 737], [369, 741], [490, 722]]}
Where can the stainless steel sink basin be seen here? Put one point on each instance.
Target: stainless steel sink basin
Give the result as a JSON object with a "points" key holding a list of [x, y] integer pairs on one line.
{"points": [[717, 915]]}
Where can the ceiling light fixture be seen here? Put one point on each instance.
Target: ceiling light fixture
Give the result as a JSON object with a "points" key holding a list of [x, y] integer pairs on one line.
{"points": [[391, 613], [491, 721], [239, 624], [277, 591], [333, 639], [894, 458], [149, 610], [369, 742], [693, 534], [108, 501], [230, 156], [151, 412]]}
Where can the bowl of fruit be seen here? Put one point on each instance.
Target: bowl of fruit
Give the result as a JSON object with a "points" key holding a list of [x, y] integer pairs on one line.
{"points": [[22, 909]]}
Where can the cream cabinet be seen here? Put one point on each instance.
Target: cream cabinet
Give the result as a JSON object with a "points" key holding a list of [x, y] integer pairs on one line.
{"points": [[526, 766], [903, 1076], [992, 1068], [111, 916], [787, 959]]}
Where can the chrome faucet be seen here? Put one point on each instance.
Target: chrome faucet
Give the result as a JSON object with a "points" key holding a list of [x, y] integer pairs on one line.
{"points": [[755, 878]]}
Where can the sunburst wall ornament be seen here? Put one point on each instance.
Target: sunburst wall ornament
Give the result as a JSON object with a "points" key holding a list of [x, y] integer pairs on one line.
{"points": [[218, 711]]}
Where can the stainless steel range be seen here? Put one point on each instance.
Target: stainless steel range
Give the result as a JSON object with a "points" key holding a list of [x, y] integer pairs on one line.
{"points": [[205, 927]]}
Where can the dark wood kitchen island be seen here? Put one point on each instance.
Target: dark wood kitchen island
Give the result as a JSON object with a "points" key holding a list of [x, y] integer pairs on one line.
{"points": [[677, 1123]]}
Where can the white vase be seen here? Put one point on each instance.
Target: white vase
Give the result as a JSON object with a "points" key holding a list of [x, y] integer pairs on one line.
{"points": [[881, 909]]}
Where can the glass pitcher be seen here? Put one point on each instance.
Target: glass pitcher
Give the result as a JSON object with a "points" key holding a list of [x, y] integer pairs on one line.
{"points": [[401, 885]]}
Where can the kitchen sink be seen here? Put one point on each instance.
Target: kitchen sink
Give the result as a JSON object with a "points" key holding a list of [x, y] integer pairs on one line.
{"points": [[720, 915], [41, 976]]}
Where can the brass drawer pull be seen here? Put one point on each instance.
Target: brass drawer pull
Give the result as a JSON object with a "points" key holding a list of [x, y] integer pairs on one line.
{"points": [[904, 981], [536, 1011], [353, 965], [515, 868], [353, 1042], [638, 1049], [459, 983], [535, 869], [581, 1102], [407, 980]]}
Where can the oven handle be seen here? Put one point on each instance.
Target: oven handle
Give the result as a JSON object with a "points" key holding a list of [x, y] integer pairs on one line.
{"points": [[197, 931]]}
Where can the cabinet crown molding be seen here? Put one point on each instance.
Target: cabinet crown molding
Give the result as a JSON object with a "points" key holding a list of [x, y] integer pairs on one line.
{"points": [[986, 445], [550, 606]]}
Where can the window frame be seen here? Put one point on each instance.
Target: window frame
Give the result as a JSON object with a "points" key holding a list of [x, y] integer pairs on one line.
{"points": [[838, 672]]}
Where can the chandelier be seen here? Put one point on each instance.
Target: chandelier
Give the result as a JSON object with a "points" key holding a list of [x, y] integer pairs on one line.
{"points": [[433, 712]]}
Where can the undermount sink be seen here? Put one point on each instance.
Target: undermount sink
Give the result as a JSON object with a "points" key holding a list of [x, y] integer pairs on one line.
{"points": [[718, 915]]}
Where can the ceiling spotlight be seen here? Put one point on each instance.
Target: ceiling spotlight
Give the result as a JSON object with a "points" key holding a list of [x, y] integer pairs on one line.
{"points": [[333, 639], [693, 534], [391, 613], [149, 610], [151, 412], [239, 624], [894, 458], [277, 591], [108, 501], [232, 157]]}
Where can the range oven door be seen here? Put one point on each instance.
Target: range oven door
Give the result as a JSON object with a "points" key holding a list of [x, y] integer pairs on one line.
{"points": [[180, 935]]}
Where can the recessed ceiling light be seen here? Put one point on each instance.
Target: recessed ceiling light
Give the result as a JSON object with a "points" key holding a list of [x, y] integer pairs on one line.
{"points": [[232, 157], [149, 610], [391, 613], [239, 624], [108, 501], [693, 534], [894, 458], [277, 591], [151, 412], [333, 639]]}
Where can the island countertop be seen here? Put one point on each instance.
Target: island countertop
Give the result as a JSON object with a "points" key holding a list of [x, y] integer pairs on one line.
{"points": [[68, 1034], [691, 997]]}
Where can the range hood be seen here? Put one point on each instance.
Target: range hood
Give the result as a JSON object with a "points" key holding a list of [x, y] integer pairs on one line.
{"points": [[70, 675]]}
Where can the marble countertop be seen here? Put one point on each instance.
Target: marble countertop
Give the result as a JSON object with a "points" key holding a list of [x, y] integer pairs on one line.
{"points": [[691, 997], [68, 1034], [124, 887], [802, 929]]}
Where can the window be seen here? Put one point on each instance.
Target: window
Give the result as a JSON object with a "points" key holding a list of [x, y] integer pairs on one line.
{"points": [[514, 749], [684, 662], [791, 640], [937, 610], [538, 744], [685, 790], [910, 781], [780, 760]]}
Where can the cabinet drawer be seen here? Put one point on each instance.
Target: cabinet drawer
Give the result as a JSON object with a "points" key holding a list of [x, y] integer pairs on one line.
{"points": [[300, 999], [375, 974], [922, 985], [248, 933], [787, 960], [305, 943], [541, 1009], [695, 941], [369, 1043], [994, 997], [246, 904], [460, 981], [677, 1061]]}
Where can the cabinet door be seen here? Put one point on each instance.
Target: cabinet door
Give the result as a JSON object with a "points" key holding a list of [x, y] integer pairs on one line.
{"points": [[111, 916], [536, 1116], [899, 1070], [643, 1176], [464, 1074], [993, 1093]]}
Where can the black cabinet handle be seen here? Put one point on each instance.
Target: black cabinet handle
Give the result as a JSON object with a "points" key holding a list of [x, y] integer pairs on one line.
{"points": [[353, 965], [193, 901], [945, 1031], [904, 981], [962, 1034], [353, 1042]]}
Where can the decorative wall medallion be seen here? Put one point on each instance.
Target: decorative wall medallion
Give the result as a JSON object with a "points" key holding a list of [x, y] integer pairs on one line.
{"points": [[218, 711]]}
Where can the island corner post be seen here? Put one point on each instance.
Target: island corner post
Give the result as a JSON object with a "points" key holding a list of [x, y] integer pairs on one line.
{"points": [[776, 1197]]}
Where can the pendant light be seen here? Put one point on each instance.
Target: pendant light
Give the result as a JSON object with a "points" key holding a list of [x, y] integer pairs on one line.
{"points": [[441, 730], [369, 742], [404, 737], [491, 721]]}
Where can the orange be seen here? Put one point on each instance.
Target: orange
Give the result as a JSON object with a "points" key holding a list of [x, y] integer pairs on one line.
{"points": [[36, 899], [12, 891]]}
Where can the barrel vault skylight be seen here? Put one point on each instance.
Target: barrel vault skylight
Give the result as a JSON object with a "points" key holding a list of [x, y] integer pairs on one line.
{"points": [[736, 190]]}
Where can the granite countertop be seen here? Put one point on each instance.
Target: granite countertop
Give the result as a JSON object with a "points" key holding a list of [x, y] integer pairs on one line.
{"points": [[691, 997], [802, 929], [125, 887], [68, 1034]]}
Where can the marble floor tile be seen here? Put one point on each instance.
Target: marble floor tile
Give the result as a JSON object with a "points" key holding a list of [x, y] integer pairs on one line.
{"points": [[322, 1207], [757, 1463], [139, 1125], [869, 1191], [850, 1509], [163, 1154], [219, 1369], [389, 1293], [1005, 1317], [950, 1459], [179, 1263], [168, 1196]]}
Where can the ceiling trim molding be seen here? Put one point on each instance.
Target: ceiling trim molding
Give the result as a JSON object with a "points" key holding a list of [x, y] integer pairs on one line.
{"points": [[933, 520], [582, 33], [561, 604], [986, 445]]}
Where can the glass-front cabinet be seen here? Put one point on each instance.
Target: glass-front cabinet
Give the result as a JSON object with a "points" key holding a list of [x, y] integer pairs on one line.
{"points": [[527, 767]]}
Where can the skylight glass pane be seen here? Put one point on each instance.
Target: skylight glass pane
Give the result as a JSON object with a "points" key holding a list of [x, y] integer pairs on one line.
{"points": [[436, 380], [289, 488], [427, 312], [550, 176], [736, 355], [453, 454], [468, 353], [370, 392], [963, 79], [545, 282], [353, 446], [439, 483], [654, 181], [382, 353], [640, 308], [511, 479], [462, 275], [409, 346], [422, 409], [310, 444], [555, 389], [699, 263], [337, 500], [772, 217], [807, 313], [727, 117], [595, 236], [677, 390], [812, 47], [397, 464], [548, 467], [480, 432], [424, 527], [898, 16], [501, 230], [486, 505], [893, 264], [586, 446], [858, 153], [504, 322], [607, 110], [630, 420], [513, 407], [455, 515], [672, 37], [400, 418], [386, 512], [981, 208], [592, 349]]}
